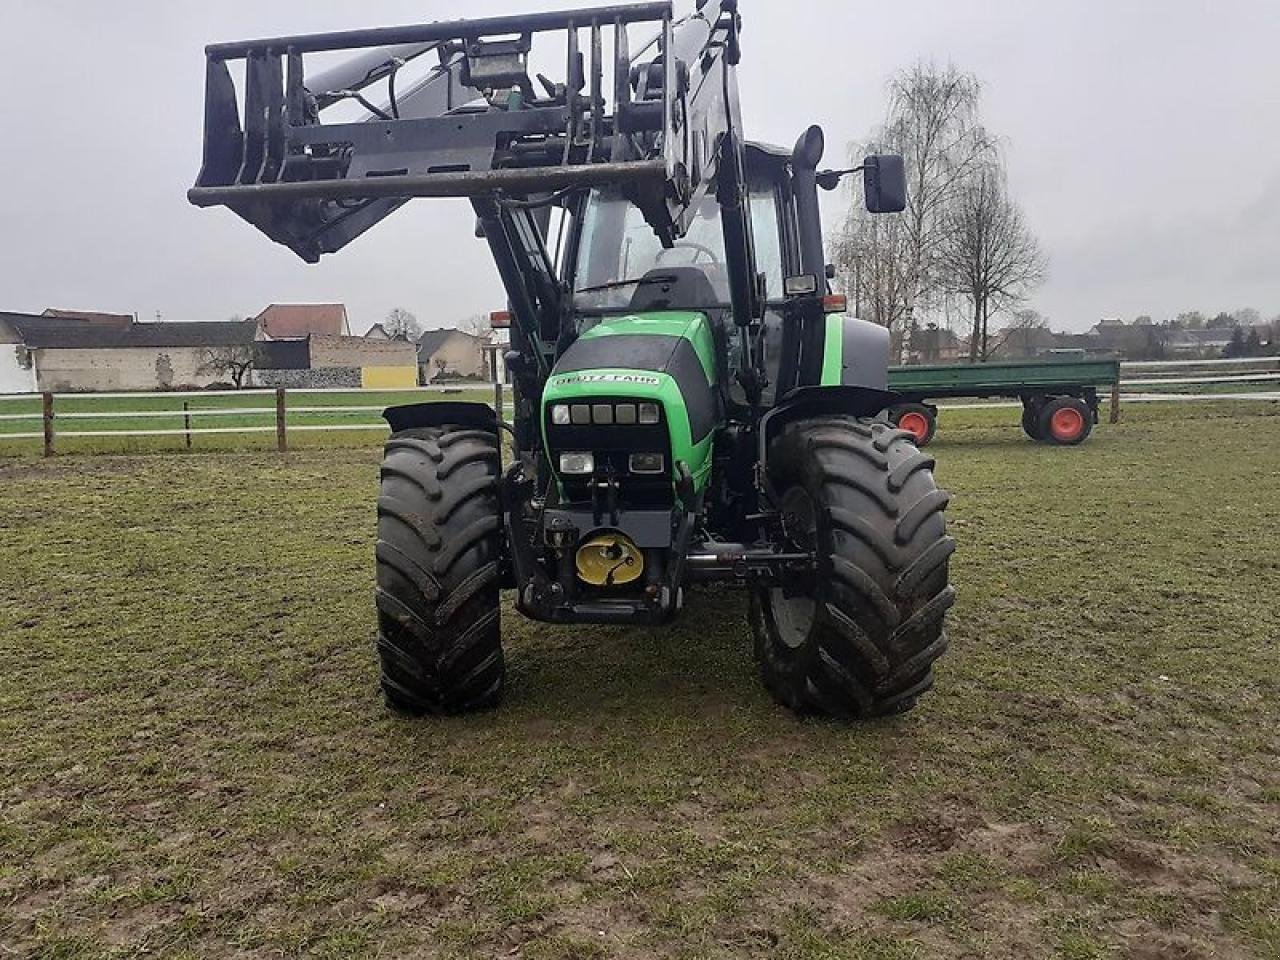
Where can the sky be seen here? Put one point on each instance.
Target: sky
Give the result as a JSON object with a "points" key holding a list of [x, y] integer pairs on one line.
{"points": [[1142, 139]]}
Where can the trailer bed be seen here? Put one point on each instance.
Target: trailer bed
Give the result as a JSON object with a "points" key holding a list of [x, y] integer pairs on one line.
{"points": [[1059, 397]]}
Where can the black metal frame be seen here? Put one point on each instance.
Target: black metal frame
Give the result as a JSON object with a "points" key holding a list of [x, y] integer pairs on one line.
{"points": [[287, 172]]}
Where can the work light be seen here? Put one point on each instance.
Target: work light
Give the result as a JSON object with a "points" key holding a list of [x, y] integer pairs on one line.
{"points": [[647, 463], [649, 413], [577, 464], [560, 415]]}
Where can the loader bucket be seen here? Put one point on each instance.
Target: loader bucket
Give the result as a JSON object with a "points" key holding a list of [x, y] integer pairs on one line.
{"points": [[473, 125]]}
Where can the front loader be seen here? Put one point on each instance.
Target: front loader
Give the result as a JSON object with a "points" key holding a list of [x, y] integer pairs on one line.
{"points": [[692, 403]]}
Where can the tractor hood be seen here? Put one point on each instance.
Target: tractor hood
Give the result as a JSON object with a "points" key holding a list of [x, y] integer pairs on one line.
{"points": [[665, 358]]}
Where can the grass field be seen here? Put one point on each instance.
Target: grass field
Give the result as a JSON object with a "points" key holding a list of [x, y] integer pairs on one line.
{"points": [[194, 761]]}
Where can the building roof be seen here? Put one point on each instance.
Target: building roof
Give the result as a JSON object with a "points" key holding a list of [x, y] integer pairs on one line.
{"points": [[377, 332], [433, 340], [54, 333], [91, 316], [294, 321]]}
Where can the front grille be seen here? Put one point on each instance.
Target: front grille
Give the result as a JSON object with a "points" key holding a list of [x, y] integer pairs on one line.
{"points": [[612, 444]]}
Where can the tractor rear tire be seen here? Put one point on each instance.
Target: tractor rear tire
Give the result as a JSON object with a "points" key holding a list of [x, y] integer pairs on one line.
{"points": [[439, 552], [861, 638], [1066, 421]]}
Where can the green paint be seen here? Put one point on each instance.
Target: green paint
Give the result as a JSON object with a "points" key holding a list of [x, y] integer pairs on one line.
{"points": [[640, 385], [608, 383], [690, 325], [833, 351]]}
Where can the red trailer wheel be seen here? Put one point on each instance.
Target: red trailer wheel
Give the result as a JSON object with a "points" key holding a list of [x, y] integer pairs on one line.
{"points": [[1066, 421], [917, 419]]}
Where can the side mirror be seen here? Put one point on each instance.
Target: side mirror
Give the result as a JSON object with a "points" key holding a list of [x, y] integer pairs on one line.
{"points": [[884, 181]]}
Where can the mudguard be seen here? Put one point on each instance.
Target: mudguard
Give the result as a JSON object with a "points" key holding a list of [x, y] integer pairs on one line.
{"points": [[413, 416], [823, 401], [855, 353]]}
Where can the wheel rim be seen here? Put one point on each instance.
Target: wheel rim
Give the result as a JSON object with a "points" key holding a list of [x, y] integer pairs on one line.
{"points": [[793, 616], [1066, 424], [914, 423]]}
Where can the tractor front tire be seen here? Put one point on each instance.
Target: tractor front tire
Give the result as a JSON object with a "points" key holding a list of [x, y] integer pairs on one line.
{"points": [[439, 552], [859, 640]]}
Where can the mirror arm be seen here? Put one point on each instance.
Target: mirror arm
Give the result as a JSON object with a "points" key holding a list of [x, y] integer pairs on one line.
{"points": [[830, 179]]}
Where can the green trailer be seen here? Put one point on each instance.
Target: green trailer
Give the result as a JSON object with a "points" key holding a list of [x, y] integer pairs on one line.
{"points": [[1059, 396]]}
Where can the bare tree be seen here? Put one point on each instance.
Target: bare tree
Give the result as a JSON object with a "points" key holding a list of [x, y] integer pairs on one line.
{"points": [[477, 325], [402, 323], [231, 360], [988, 254], [891, 264], [1247, 317]]}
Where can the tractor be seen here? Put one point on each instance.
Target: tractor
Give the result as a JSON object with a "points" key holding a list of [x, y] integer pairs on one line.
{"points": [[692, 403]]}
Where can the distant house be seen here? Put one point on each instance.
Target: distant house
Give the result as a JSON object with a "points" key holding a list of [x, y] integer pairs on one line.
{"points": [[1200, 343], [297, 321], [17, 371], [934, 344], [61, 354], [1024, 343], [91, 316], [377, 332], [450, 355]]}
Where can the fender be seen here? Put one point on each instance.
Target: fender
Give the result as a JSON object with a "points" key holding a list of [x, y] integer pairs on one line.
{"points": [[414, 416], [808, 402], [855, 353]]}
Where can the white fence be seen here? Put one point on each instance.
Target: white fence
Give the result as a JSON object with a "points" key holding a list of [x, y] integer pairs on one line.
{"points": [[1140, 382], [49, 417]]}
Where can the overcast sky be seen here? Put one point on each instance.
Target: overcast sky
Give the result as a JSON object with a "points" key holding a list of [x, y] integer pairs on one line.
{"points": [[1142, 137]]}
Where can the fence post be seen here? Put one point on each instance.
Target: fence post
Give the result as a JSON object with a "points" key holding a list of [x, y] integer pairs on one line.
{"points": [[1115, 398], [186, 421], [48, 423], [497, 399], [282, 439]]}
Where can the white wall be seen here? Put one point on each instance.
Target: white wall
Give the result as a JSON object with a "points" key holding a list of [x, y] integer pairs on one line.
{"points": [[122, 368], [14, 378]]}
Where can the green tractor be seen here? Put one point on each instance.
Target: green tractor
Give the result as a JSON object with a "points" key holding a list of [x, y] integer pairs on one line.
{"points": [[692, 403]]}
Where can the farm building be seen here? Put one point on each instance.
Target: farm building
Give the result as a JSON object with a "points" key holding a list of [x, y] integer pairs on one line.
{"points": [[332, 361], [450, 355], [84, 353], [63, 354], [297, 321]]}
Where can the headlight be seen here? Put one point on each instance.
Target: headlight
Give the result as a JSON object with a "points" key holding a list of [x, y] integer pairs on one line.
{"points": [[560, 415], [647, 463], [624, 413], [649, 413], [577, 464]]}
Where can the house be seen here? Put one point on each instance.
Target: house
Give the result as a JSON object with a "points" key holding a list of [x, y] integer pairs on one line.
{"points": [[1200, 343], [66, 354], [17, 373], [377, 332], [336, 361], [451, 355], [934, 344], [119, 320], [1024, 343], [297, 321]]}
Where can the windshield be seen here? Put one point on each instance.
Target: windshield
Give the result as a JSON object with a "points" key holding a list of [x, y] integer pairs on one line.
{"points": [[617, 245]]}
